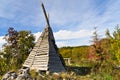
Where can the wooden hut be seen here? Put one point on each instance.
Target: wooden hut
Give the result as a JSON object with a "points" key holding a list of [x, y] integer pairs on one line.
{"points": [[45, 55]]}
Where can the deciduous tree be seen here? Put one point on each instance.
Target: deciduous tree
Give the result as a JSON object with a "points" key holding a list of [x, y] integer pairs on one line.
{"points": [[18, 46]]}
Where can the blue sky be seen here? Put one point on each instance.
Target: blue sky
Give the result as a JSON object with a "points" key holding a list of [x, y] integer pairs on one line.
{"points": [[72, 21]]}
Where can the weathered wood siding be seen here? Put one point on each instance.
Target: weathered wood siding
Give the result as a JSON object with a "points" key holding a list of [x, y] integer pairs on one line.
{"points": [[44, 55]]}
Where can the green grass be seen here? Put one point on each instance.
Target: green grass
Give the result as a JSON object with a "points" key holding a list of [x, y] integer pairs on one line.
{"points": [[81, 72]]}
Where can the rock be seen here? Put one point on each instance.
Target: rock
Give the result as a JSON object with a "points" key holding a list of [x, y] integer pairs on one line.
{"points": [[9, 76], [57, 74], [24, 74], [24, 77]]}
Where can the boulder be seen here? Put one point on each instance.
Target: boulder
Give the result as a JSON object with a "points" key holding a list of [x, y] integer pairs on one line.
{"points": [[9, 76], [24, 74]]}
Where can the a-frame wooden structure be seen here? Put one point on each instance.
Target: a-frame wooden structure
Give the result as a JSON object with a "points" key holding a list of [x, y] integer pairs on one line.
{"points": [[45, 55]]}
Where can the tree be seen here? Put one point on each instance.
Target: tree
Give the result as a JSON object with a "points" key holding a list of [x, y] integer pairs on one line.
{"points": [[25, 45], [3, 66], [95, 49], [115, 44], [100, 54], [18, 46]]}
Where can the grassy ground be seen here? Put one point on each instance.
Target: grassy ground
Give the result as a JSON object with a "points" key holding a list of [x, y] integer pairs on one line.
{"points": [[80, 73]]}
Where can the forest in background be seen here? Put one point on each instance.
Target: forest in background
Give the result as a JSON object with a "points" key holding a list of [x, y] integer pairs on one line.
{"points": [[102, 56]]}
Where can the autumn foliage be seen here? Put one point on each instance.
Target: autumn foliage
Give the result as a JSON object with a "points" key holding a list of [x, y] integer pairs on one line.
{"points": [[102, 56]]}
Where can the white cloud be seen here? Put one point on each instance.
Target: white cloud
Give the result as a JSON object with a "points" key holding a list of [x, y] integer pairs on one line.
{"points": [[20, 12], [2, 41], [67, 35], [37, 35], [63, 37], [61, 44], [85, 13], [76, 18]]}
